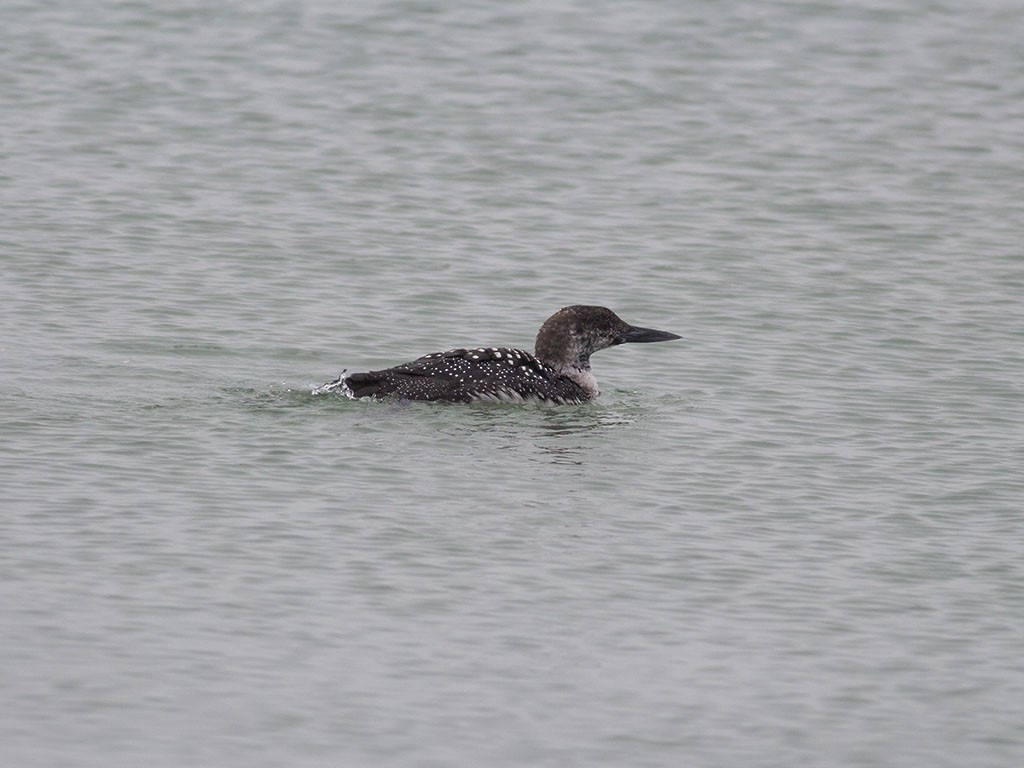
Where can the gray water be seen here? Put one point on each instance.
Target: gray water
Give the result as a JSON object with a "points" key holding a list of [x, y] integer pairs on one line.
{"points": [[793, 539]]}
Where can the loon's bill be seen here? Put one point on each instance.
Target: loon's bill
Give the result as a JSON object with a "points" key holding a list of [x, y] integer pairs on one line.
{"points": [[557, 372]]}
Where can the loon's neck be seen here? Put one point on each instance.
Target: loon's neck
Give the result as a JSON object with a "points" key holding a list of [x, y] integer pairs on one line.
{"points": [[570, 356], [579, 371]]}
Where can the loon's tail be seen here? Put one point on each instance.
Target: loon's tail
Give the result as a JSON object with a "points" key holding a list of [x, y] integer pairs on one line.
{"points": [[356, 385], [372, 384], [410, 384], [411, 381], [340, 384]]}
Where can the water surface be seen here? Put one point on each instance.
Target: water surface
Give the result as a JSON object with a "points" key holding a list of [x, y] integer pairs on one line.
{"points": [[794, 538]]}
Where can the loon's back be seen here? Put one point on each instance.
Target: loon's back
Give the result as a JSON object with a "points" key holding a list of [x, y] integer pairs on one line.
{"points": [[486, 374]]}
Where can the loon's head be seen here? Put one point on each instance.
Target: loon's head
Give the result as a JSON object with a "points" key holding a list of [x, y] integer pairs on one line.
{"points": [[570, 336]]}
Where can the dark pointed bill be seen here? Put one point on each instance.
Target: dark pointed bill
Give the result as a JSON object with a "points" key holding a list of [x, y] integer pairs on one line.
{"points": [[645, 335]]}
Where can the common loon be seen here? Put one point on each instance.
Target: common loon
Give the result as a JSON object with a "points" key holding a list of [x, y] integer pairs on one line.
{"points": [[558, 372]]}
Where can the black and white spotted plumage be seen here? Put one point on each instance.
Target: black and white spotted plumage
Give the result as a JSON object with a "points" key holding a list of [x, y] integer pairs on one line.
{"points": [[485, 374], [559, 373]]}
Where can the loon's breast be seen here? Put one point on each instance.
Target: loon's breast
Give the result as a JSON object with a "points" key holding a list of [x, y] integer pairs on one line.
{"points": [[485, 374]]}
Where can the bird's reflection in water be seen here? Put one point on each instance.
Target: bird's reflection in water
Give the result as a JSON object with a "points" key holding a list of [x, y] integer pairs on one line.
{"points": [[567, 438], [545, 434]]}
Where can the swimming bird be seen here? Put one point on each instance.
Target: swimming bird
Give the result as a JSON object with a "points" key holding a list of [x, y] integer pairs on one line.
{"points": [[557, 372]]}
